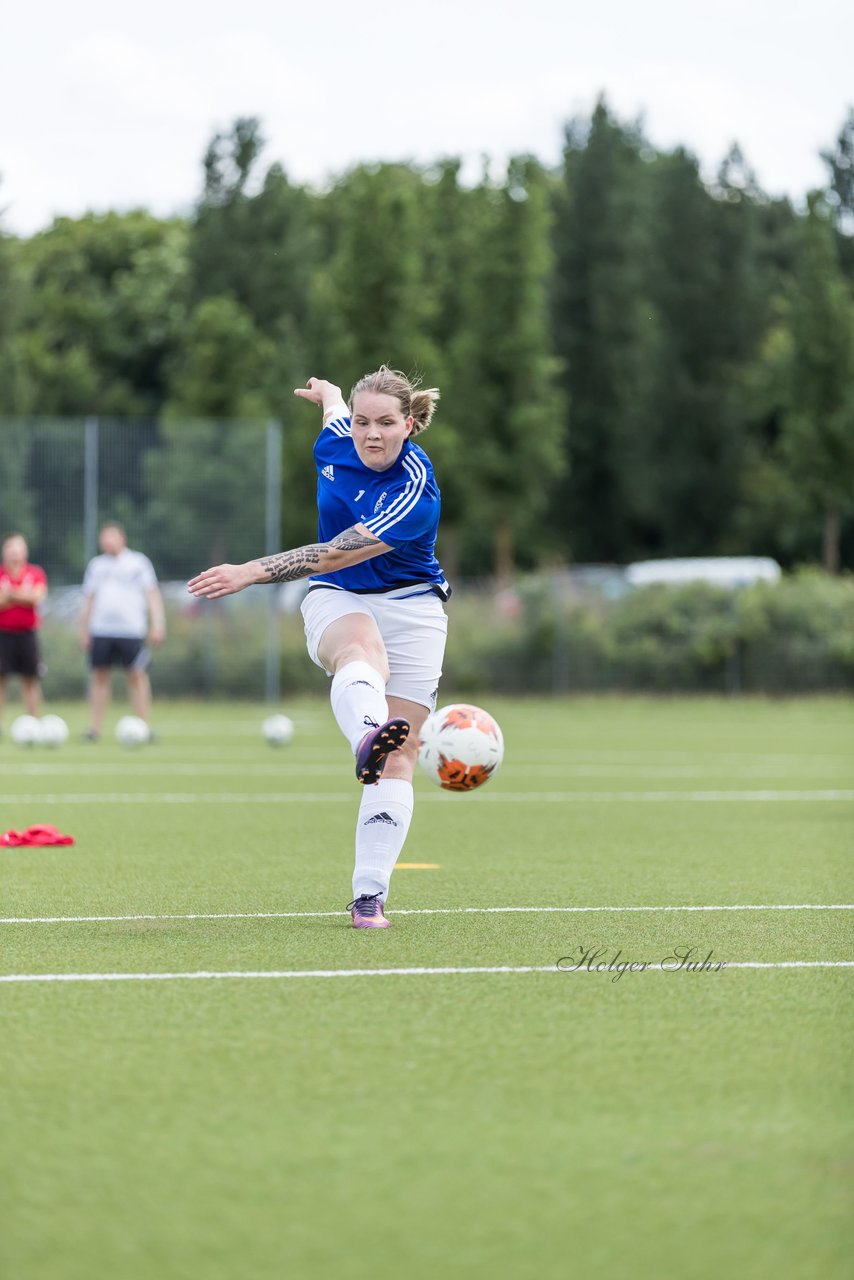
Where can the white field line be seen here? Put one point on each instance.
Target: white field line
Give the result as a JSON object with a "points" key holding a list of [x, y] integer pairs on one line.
{"points": [[212, 975], [427, 911], [241, 729], [490, 797], [223, 743], [286, 769], [528, 754]]}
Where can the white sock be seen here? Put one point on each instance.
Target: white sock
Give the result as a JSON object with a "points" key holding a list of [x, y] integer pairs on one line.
{"points": [[358, 701], [384, 817]]}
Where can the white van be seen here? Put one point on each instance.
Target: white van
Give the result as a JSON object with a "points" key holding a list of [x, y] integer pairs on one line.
{"points": [[719, 571]]}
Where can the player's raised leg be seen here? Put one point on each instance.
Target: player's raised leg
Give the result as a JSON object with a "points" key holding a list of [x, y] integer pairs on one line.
{"points": [[383, 823], [351, 647]]}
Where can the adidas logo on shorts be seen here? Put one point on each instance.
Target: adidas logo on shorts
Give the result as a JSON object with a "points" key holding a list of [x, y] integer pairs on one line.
{"points": [[329, 472]]}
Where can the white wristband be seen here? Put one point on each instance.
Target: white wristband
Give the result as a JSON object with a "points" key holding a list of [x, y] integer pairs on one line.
{"points": [[337, 410]]}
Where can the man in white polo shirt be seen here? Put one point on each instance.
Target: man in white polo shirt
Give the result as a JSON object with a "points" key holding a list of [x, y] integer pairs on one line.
{"points": [[123, 608]]}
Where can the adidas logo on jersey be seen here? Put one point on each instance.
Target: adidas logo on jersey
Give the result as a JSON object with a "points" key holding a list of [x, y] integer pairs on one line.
{"points": [[329, 472]]}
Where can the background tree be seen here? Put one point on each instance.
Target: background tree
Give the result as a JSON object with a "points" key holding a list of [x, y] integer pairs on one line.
{"points": [[601, 330], [256, 239], [381, 301], [370, 302], [817, 440], [104, 300], [507, 406], [222, 365], [840, 195], [448, 253], [12, 289], [707, 313]]}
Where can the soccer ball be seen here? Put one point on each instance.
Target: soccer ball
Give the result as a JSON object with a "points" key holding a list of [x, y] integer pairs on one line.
{"points": [[460, 747], [26, 731], [53, 731], [278, 730], [132, 732]]}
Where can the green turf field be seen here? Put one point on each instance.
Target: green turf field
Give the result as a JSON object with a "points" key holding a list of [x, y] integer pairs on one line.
{"points": [[526, 1123]]}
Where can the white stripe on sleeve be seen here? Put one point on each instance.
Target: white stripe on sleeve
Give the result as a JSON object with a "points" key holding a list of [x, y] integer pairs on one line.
{"points": [[404, 502]]}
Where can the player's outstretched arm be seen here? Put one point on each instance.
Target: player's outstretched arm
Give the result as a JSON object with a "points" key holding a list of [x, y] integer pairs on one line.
{"points": [[350, 547]]}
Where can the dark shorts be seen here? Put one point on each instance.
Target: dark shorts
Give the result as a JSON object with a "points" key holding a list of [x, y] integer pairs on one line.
{"points": [[19, 654], [111, 651]]}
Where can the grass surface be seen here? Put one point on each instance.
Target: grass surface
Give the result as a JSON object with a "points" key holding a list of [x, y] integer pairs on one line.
{"points": [[470, 1124]]}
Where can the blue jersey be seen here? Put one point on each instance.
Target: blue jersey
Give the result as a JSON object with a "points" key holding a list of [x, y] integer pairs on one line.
{"points": [[400, 506]]}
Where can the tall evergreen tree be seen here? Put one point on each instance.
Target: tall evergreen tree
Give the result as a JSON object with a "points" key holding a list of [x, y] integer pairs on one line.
{"points": [[252, 235], [709, 313], [255, 239], [507, 405], [817, 441], [600, 322], [380, 299], [450, 252]]}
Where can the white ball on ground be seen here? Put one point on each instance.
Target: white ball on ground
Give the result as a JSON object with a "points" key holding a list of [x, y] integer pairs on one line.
{"points": [[278, 730], [132, 732], [54, 731], [26, 731]]}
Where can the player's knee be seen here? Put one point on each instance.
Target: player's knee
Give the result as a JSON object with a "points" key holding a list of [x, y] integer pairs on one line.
{"points": [[364, 651]]}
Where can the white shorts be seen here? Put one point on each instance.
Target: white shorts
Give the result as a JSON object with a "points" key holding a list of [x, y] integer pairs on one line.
{"points": [[413, 629]]}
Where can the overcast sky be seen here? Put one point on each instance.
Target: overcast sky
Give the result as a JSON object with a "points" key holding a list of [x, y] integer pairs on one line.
{"points": [[110, 105]]}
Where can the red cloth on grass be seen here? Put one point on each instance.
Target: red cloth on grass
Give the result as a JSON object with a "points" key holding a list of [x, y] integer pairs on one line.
{"points": [[35, 836]]}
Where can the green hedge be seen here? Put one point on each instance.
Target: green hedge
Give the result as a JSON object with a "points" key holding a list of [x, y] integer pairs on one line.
{"points": [[797, 636]]}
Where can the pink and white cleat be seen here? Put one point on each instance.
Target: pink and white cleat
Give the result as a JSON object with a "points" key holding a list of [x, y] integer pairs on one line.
{"points": [[367, 912]]}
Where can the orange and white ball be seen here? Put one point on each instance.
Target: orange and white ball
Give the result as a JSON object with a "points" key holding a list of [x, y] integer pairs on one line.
{"points": [[460, 747]]}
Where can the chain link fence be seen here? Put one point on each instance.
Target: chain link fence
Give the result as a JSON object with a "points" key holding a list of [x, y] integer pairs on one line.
{"points": [[189, 494]]}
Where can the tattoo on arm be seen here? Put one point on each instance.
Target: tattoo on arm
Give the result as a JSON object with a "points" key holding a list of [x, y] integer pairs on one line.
{"points": [[351, 540], [288, 566]]}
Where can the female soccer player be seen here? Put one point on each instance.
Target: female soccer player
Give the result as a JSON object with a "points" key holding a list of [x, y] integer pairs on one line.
{"points": [[374, 616]]}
